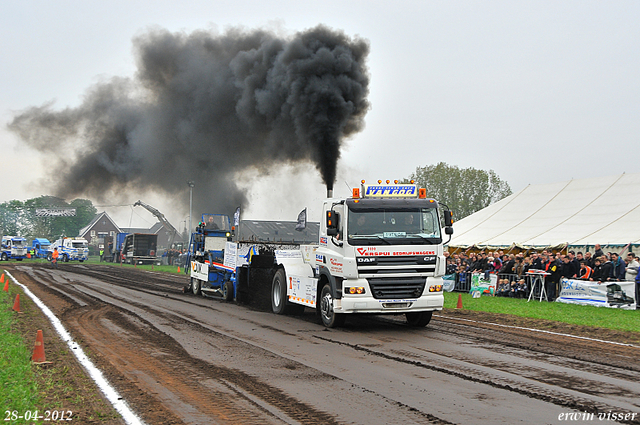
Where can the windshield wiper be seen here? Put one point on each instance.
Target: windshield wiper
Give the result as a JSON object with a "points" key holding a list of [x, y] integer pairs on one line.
{"points": [[431, 240], [370, 237]]}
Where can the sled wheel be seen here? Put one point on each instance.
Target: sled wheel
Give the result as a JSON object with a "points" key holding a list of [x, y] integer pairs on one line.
{"points": [[195, 286], [227, 291]]}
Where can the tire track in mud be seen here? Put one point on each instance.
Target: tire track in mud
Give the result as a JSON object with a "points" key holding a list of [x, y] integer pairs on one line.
{"points": [[558, 399], [209, 390]]}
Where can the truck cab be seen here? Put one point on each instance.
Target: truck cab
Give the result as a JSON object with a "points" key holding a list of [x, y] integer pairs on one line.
{"points": [[380, 251], [40, 247], [70, 249], [13, 247]]}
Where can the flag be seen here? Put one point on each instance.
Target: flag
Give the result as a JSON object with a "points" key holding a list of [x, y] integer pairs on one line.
{"points": [[302, 220], [236, 217]]}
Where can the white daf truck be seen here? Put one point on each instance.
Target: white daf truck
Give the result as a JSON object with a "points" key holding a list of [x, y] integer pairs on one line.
{"points": [[379, 252]]}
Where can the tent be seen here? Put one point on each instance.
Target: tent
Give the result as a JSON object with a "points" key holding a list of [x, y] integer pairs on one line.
{"points": [[599, 210]]}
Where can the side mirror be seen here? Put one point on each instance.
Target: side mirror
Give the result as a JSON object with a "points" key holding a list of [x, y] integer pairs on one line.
{"points": [[448, 230], [448, 218], [332, 219]]}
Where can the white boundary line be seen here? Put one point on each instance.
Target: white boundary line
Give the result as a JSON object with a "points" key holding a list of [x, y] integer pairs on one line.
{"points": [[112, 395], [539, 330]]}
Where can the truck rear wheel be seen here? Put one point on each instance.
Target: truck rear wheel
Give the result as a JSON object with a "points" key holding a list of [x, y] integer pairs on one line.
{"points": [[65, 258], [279, 302], [279, 293], [195, 286], [329, 318], [419, 319]]}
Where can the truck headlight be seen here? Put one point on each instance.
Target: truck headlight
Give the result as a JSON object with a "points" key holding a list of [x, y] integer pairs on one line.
{"points": [[355, 290]]}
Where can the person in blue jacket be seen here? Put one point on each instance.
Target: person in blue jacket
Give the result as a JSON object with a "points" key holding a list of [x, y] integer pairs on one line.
{"points": [[637, 290], [618, 269]]}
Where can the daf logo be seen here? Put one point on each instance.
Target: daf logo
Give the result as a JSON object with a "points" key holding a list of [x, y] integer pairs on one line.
{"points": [[366, 260]]}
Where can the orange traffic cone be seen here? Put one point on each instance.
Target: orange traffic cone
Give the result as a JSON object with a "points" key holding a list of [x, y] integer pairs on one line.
{"points": [[16, 304], [178, 269], [6, 283], [38, 349], [2, 278], [459, 301]]}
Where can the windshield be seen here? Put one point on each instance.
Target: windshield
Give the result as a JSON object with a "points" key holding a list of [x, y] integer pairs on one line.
{"points": [[19, 243], [394, 226], [216, 222], [79, 244]]}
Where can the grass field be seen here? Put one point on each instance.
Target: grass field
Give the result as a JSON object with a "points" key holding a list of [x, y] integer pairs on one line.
{"points": [[18, 390], [584, 315]]}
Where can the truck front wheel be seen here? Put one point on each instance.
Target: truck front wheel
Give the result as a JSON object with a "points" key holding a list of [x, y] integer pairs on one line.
{"points": [[4, 256], [420, 319], [329, 318]]}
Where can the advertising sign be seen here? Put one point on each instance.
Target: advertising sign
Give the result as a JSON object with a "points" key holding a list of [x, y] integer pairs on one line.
{"points": [[200, 271], [605, 294], [231, 255]]}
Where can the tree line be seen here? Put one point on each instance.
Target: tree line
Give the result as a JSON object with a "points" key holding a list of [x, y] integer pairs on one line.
{"points": [[19, 218], [463, 190]]}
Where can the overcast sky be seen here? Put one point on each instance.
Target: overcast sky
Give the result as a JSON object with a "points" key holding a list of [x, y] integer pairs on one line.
{"points": [[537, 91]]}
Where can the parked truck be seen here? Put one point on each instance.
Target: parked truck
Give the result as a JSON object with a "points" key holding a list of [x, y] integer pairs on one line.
{"points": [[379, 251], [70, 249], [13, 248], [40, 248], [139, 248]]}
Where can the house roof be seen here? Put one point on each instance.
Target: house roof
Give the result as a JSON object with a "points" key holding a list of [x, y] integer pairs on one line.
{"points": [[97, 217]]}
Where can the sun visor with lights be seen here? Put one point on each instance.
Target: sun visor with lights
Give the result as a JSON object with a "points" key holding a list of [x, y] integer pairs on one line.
{"points": [[390, 191]]}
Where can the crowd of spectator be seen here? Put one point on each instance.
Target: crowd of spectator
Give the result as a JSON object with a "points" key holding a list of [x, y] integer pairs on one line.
{"points": [[513, 268]]}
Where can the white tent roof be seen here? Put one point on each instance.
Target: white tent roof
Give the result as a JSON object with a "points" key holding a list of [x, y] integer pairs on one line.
{"points": [[604, 210]]}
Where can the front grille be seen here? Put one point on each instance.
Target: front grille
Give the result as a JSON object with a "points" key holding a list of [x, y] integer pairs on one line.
{"points": [[397, 288], [398, 266]]}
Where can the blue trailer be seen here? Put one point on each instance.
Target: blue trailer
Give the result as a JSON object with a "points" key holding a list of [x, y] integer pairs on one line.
{"points": [[114, 251]]}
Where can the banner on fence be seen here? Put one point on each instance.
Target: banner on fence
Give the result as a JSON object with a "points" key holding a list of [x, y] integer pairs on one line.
{"points": [[605, 294], [449, 282], [483, 286]]}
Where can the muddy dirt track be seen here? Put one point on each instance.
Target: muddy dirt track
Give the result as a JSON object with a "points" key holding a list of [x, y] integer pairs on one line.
{"points": [[178, 358]]}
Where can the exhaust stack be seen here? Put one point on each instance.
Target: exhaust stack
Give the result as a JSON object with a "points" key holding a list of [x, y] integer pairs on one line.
{"points": [[329, 192]]}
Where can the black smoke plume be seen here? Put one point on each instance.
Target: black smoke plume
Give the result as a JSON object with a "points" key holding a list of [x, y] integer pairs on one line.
{"points": [[205, 107]]}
